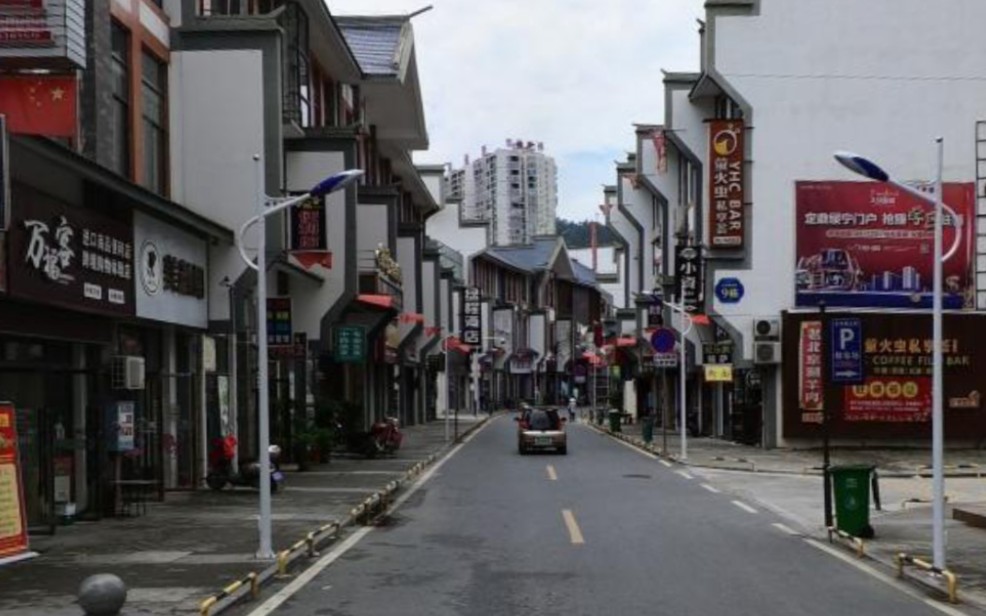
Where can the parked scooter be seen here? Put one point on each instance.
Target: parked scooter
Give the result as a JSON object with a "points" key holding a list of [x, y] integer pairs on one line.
{"points": [[383, 437], [221, 467]]}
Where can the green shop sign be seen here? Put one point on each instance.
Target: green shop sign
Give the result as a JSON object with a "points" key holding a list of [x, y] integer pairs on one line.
{"points": [[350, 344]]}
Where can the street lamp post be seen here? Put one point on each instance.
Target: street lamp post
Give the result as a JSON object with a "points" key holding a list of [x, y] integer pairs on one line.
{"points": [[266, 207], [685, 328], [867, 168]]}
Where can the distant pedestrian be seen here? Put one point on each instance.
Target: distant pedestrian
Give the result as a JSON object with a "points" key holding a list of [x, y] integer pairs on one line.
{"points": [[571, 409]]}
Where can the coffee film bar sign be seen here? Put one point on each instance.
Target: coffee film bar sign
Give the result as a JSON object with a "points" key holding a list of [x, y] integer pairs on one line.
{"points": [[69, 256], [472, 319], [13, 521], [726, 183]]}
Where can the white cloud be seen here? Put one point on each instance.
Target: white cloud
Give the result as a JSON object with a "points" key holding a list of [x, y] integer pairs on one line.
{"points": [[574, 74]]}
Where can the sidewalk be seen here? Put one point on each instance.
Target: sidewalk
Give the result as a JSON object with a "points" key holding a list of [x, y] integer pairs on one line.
{"points": [[195, 543], [789, 482]]}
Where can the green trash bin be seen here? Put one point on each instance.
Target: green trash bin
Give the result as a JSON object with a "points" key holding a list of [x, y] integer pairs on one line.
{"points": [[852, 499], [614, 421]]}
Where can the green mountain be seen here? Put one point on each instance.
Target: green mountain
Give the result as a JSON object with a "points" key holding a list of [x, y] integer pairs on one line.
{"points": [[576, 233]]}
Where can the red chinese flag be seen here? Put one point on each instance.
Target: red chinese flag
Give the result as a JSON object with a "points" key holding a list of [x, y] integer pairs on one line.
{"points": [[40, 104]]}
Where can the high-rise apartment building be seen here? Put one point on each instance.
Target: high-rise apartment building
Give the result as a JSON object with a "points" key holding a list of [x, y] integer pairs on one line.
{"points": [[514, 189]]}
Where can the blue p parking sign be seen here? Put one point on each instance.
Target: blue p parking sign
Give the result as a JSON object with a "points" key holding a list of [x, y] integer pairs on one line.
{"points": [[846, 350]]}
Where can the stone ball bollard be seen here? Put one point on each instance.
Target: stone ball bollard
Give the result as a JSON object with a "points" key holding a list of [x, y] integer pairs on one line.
{"points": [[102, 594]]}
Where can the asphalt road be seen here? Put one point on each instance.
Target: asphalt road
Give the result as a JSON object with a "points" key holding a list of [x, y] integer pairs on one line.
{"points": [[603, 530]]}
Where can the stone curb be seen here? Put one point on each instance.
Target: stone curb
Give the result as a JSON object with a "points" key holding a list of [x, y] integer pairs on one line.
{"points": [[252, 583]]}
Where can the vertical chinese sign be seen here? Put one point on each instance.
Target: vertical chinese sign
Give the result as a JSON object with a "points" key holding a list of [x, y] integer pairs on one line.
{"points": [[726, 183], [688, 278], [13, 521], [810, 386], [309, 239], [472, 320], [350, 344], [278, 321]]}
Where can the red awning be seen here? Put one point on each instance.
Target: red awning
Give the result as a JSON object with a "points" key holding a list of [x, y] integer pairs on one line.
{"points": [[626, 341], [411, 317], [378, 301], [453, 343], [700, 319]]}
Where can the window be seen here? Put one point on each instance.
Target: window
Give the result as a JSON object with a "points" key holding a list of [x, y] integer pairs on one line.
{"points": [[297, 74], [154, 93], [119, 154]]}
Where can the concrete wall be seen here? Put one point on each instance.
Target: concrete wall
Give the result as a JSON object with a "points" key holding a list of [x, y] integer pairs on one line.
{"points": [[312, 300], [444, 227]]}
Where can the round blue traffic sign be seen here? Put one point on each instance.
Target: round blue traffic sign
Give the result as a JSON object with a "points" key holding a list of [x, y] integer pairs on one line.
{"points": [[662, 340]]}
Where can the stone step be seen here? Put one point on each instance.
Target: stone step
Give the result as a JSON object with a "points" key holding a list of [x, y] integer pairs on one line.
{"points": [[973, 515]]}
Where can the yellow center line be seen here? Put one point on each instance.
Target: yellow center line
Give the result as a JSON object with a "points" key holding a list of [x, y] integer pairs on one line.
{"points": [[573, 528], [552, 475]]}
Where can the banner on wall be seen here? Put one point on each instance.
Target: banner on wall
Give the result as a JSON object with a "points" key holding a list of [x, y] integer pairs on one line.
{"points": [[13, 518], [811, 399], [863, 244]]}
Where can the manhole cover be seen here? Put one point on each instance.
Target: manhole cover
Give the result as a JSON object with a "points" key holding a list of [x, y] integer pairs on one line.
{"points": [[632, 476]]}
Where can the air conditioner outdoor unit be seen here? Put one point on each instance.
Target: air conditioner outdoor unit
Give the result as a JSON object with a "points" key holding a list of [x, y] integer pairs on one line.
{"points": [[128, 372], [766, 329], [766, 352]]}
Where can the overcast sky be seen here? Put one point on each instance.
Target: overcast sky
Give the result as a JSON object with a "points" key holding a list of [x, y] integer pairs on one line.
{"points": [[573, 74]]}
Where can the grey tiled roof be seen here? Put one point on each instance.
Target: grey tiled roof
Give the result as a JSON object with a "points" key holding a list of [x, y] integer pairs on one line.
{"points": [[375, 42], [583, 274], [527, 257]]}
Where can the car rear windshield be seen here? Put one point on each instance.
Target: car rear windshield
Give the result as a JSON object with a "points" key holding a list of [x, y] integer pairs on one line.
{"points": [[543, 420]]}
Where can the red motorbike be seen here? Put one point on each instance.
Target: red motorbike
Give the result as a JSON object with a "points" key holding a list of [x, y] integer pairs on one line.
{"points": [[384, 437]]}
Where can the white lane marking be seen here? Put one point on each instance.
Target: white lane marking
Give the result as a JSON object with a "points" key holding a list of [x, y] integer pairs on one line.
{"points": [[886, 579], [744, 506], [712, 489], [573, 527], [666, 463], [552, 475], [685, 474], [784, 529], [306, 576], [640, 451]]}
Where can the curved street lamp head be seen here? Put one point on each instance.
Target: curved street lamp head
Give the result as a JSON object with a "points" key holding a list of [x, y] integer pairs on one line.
{"points": [[336, 182], [862, 166]]}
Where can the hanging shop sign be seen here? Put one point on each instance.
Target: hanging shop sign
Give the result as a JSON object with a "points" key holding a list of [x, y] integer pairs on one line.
{"points": [[718, 373], [688, 278], [717, 353], [278, 322], [13, 520], [349, 346], [863, 244], [69, 256], [298, 349], [308, 234], [472, 317], [171, 273], [810, 386], [726, 184], [49, 33]]}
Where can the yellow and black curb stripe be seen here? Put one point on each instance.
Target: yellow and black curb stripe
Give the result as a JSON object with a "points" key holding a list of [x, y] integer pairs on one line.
{"points": [[858, 544], [362, 514], [951, 581]]}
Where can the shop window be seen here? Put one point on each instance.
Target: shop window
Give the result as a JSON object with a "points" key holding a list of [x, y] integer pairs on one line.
{"points": [[154, 82], [119, 155]]}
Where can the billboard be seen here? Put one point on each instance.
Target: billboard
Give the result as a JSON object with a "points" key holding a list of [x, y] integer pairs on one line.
{"points": [[863, 244], [890, 357], [726, 184]]}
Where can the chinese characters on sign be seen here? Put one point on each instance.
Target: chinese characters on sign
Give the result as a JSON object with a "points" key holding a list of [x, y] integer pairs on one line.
{"points": [[726, 183], [810, 386], [278, 321], [862, 244], [472, 319], [13, 522], [69, 256], [847, 355], [688, 278], [298, 348], [308, 225], [124, 426], [717, 352], [350, 344]]}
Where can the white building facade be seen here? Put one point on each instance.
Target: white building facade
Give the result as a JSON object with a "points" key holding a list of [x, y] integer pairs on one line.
{"points": [[772, 222]]}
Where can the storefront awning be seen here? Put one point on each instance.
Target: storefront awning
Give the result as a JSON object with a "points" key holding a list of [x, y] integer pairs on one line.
{"points": [[377, 301], [626, 341], [411, 317]]}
